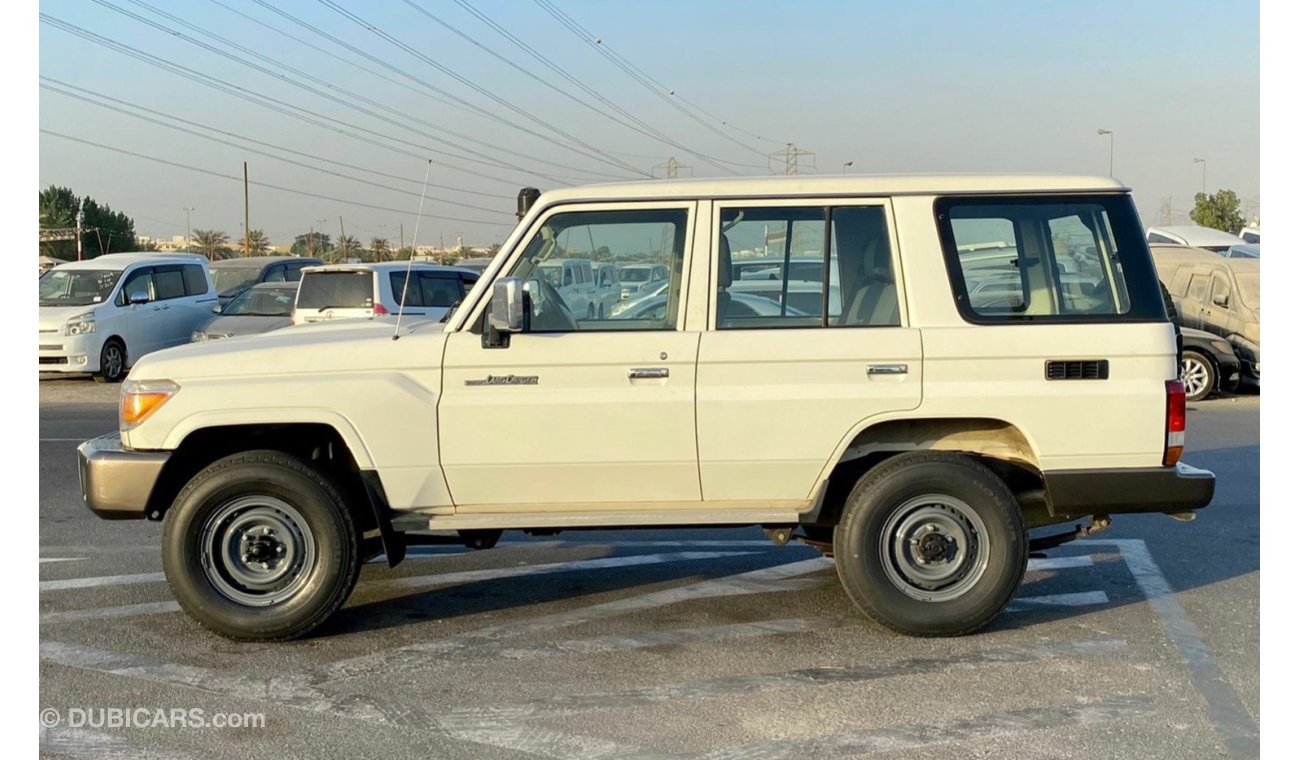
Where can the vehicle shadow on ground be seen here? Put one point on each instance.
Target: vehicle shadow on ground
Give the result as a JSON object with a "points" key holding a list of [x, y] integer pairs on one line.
{"points": [[485, 597]]}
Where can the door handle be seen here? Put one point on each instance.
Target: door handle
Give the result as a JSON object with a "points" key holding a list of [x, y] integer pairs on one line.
{"points": [[647, 373], [887, 369]]}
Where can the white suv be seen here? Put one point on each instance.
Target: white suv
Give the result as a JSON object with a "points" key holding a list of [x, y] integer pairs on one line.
{"points": [[101, 315], [362, 291], [894, 422]]}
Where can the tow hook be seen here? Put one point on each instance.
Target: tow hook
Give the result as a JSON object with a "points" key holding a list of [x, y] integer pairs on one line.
{"points": [[1098, 524], [779, 534]]}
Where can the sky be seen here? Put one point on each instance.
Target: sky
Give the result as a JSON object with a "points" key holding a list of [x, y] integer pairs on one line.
{"points": [[893, 87]]}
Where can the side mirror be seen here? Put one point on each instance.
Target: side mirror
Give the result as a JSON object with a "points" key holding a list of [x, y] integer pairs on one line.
{"points": [[1221, 300], [138, 297], [507, 312], [216, 309]]}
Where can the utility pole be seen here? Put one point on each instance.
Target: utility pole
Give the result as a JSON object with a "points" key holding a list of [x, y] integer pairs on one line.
{"points": [[401, 237], [1202, 162], [671, 168], [343, 252], [81, 216], [246, 230], [189, 231], [1107, 132], [790, 159]]}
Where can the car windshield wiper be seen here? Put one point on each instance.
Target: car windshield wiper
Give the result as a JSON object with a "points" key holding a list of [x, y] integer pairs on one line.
{"points": [[339, 306]]}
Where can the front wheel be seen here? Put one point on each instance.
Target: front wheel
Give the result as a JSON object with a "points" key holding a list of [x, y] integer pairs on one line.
{"points": [[1199, 375], [260, 546], [931, 544], [112, 362]]}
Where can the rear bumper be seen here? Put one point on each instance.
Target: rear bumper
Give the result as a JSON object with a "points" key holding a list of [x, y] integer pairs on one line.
{"points": [[1080, 493], [116, 482]]}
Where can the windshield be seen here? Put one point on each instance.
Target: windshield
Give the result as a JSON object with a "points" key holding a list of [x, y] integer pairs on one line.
{"points": [[634, 274], [329, 290], [257, 302], [77, 287], [231, 280], [1249, 284]]}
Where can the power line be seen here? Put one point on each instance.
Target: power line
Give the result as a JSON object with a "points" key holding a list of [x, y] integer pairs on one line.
{"points": [[245, 138], [212, 173], [368, 26], [631, 70], [629, 121], [255, 150], [400, 122]]}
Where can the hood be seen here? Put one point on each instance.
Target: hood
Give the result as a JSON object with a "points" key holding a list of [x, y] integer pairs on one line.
{"points": [[300, 350], [55, 317], [238, 325]]}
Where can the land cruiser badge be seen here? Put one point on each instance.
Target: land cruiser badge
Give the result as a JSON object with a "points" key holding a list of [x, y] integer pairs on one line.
{"points": [[505, 380]]}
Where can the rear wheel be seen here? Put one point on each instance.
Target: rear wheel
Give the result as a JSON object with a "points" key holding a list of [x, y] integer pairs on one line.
{"points": [[112, 362], [931, 544], [1199, 375], [260, 546]]}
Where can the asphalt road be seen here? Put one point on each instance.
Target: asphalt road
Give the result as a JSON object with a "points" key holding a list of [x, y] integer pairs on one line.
{"points": [[1140, 643]]}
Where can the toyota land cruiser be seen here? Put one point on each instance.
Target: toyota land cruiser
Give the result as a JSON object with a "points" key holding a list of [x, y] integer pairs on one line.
{"points": [[888, 406]]}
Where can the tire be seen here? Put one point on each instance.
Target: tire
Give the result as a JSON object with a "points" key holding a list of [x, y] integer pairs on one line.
{"points": [[1199, 374], [977, 525], [312, 547], [112, 362]]}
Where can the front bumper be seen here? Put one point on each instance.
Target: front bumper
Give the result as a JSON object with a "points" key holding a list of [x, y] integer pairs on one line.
{"points": [[115, 481], [68, 353], [1080, 493]]}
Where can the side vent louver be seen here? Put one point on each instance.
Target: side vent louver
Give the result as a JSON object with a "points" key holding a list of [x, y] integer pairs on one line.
{"points": [[1078, 369]]}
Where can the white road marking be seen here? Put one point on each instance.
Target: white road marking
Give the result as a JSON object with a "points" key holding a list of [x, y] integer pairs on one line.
{"points": [[1060, 563], [103, 580], [80, 742], [497, 573], [1240, 732], [1077, 599], [106, 613], [61, 559], [66, 440]]}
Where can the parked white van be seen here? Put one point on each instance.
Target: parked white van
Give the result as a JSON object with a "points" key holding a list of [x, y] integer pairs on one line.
{"points": [[363, 291], [102, 314]]}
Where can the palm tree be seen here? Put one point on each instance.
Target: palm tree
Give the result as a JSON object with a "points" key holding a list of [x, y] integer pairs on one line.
{"points": [[379, 248], [257, 243], [347, 248], [212, 243]]}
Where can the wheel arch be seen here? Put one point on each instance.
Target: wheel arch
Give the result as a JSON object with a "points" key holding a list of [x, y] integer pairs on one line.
{"points": [[996, 443]]}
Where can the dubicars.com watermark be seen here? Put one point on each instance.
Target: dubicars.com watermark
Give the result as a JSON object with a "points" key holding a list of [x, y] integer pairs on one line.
{"points": [[147, 717]]}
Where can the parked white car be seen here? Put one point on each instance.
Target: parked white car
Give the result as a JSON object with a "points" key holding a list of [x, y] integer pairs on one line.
{"points": [[609, 291], [101, 315], [1195, 236], [363, 291], [572, 279], [637, 280]]}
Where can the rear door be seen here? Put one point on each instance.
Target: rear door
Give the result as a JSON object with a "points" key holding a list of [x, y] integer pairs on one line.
{"points": [[1216, 311], [795, 356], [1194, 306], [335, 294], [140, 324]]}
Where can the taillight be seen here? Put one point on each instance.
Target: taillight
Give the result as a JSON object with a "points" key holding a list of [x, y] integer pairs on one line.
{"points": [[380, 310], [1175, 420]]}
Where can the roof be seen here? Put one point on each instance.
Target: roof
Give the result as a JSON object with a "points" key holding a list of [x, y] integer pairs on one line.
{"points": [[243, 261], [1197, 236], [1167, 255], [124, 260], [832, 185], [386, 266]]}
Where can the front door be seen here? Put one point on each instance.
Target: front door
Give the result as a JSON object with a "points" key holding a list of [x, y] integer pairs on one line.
{"points": [[578, 410]]}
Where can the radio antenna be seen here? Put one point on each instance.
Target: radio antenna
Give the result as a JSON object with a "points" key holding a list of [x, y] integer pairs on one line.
{"points": [[406, 282]]}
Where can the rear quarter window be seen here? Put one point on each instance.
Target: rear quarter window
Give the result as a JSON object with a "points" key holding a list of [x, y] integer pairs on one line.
{"points": [[1048, 259], [324, 290]]}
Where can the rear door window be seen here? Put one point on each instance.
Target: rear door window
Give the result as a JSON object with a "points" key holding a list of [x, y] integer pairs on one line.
{"points": [[1199, 286], [168, 283], [1049, 259], [334, 290], [196, 284], [439, 291]]}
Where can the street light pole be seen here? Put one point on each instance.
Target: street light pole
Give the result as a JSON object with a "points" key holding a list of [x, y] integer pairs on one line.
{"points": [[1110, 134], [1202, 162]]}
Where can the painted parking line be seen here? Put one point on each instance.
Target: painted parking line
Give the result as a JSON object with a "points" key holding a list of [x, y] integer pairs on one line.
{"points": [[1059, 563], [45, 560], [103, 580], [1240, 732], [425, 581], [1076, 599]]}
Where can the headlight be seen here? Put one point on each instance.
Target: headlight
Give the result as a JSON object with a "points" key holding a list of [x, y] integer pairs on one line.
{"points": [[198, 336], [141, 398], [80, 325]]}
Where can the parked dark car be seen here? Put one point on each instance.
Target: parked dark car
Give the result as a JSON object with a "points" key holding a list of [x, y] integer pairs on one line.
{"points": [[1209, 364], [234, 276]]}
